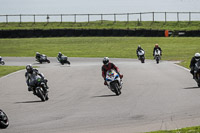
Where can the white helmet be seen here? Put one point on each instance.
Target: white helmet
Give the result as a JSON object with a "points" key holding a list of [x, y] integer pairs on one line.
{"points": [[105, 60], [197, 56]]}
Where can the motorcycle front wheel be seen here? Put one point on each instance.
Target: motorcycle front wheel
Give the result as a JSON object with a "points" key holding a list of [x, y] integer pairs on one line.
{"points": [[116, 87], [40, 94], [4, 122]]}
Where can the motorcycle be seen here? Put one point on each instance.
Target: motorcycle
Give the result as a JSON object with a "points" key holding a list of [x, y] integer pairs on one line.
{"points": [[157, 56], [4, 122], [141, 56], [197, 72], [40, 89], [2, 61], [114, 82], [43, 58], [63, 60]]}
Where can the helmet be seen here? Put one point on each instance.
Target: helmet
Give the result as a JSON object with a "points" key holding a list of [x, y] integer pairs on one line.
{"points": [[156, 45], [59, 53], [139, 46], [105, 60], [197, 56], [37, 53], [29, 68]]}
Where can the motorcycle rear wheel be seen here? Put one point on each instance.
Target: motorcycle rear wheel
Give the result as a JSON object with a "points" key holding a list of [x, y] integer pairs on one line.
{"points": [[3, 63]]}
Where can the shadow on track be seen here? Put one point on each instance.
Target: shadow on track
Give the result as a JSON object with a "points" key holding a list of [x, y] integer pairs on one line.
{"points": [[105, 96], [196, 87], [29, 102]]}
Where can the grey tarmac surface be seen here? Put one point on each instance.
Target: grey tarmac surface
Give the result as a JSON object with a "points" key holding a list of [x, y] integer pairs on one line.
{"points": [[154, 97]]}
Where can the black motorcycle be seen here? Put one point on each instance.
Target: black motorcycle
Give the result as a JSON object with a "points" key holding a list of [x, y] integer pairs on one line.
{"points": [[2, 61], [43, 58], [4, 122], [40, 89], [63, 60], [197, 72]]}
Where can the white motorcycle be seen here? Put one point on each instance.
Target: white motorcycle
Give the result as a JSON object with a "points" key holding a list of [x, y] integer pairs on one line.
{"points": [[157, 55], [114, 82], [141, 56]]}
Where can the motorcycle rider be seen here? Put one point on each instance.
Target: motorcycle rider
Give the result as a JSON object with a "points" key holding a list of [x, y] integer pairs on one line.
{"points": [[60, 55], [38, 55], [108, 66], [192, 63], [138, 49], [157, 47], [31, 75]]}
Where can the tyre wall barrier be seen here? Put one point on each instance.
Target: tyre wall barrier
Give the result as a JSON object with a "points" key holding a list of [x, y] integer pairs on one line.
{"points": [[93, 32], [79, 33]]}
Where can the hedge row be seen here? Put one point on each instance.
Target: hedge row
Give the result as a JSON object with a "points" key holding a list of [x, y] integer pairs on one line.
{"points": [[92, 32]]}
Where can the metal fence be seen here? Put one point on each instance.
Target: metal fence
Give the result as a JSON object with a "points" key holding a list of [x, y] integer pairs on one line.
{"points": [[126, 17]]}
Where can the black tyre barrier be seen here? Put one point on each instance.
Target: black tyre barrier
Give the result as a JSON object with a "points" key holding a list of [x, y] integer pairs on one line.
{"points": [[93, 32]]}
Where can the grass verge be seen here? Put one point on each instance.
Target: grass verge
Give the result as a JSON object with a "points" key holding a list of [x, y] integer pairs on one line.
{"points": [[195, 129], [4, 70], [156, 25], [174, 48]]}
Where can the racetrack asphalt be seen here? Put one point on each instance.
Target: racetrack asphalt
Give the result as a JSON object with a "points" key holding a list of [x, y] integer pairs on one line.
{"points": [[154, 97]]}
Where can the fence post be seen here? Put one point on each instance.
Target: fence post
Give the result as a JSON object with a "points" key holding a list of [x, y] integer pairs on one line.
{"points": [[61, 18], [165, 17], [127, 17], [114, 18], [88, 18], [140, 17], [6, 19], [20, 17], [101, 18], [178, 16], [153, 16], [74, 18], [189, 16], [34, 18], [48, 18]]}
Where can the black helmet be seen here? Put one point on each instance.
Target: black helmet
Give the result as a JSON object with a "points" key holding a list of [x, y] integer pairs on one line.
{"points": [[105, 60], [29, 68]]}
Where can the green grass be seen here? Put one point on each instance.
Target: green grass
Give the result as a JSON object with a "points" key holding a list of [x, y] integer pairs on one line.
{"points": [[195, 129], [174, 48], [4, 70], [158, 25]]}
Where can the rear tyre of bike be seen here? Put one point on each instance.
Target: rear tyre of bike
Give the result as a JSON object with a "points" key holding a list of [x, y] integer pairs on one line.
{"points": [[157, 60], [198, 84], [4, 123], [68, 62], [3, 63]]}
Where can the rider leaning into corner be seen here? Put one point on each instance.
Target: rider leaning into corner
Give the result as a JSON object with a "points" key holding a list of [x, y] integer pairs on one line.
{"points": [[60, 55], [108, 66], [37, 55], [31, 75], [157, 47], [192, 63]]}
